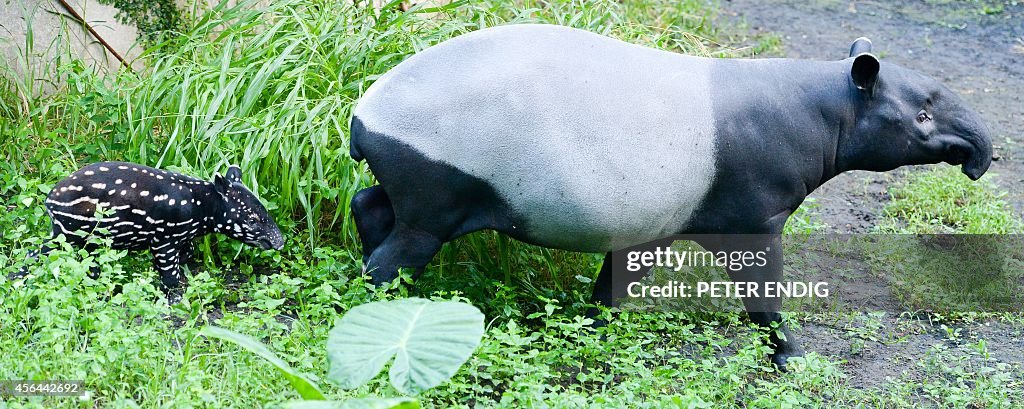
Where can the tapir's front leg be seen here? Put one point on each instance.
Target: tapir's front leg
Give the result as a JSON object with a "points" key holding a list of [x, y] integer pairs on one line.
{"points": [[166, 260], [187, 251], [765, 311]]}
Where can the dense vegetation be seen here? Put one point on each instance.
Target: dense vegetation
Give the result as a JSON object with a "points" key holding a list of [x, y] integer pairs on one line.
{"points": [[271, 88]]}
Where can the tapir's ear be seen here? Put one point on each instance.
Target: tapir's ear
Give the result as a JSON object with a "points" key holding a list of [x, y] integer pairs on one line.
{"points": [[865, 72], [860, 46], [234, 174], [221, 184]]}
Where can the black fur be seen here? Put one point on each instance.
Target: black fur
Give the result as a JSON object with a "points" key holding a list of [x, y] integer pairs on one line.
{"points": [[465, 205]]}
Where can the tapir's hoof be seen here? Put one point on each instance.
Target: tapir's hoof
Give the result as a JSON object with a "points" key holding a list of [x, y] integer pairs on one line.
{"points": [[94, 272], [595, 314], [18, 275], [174, 298], [781, 359], [596, 326]]}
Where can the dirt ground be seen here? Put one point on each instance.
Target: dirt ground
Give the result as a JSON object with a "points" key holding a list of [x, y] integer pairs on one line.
{"points": [[979, 55], [977, 49]]}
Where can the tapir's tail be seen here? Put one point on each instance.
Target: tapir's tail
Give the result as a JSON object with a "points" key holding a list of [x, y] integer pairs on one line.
{"points": [[356, 134]]}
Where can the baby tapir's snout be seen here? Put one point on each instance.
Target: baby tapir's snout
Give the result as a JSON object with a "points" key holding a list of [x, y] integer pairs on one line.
{"points": [[139, 207]]}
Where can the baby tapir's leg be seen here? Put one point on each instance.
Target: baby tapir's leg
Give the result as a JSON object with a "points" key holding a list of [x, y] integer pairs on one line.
{"points": [[187, 255], [32, 255], [41, 251], [166, 260], [188, 250]]}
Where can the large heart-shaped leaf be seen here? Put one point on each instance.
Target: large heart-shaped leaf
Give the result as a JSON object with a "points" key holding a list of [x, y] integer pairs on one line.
{"points": [[429, 341], [305, 387]]}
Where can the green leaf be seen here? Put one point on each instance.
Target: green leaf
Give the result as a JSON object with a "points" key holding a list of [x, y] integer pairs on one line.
{"points": [[365, 403], [305, 387], [429, 341]]}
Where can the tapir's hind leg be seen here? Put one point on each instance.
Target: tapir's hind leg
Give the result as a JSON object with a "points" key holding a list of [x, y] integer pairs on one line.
{"points": [[374, 217], [419, 230], [427, 203], [404, 247]]}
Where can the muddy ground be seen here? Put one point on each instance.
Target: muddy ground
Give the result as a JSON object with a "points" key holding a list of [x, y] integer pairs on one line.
{"points": [[977, 49]]}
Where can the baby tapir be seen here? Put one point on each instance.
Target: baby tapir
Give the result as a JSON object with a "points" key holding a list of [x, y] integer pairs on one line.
{"points": [[147, 208], [567, 139]]}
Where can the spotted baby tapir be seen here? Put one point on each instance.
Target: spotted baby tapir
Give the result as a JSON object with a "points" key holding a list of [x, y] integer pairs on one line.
{"points": [[146, 208]]}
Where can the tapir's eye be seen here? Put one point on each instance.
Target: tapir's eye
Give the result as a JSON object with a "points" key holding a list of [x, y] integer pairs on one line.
{"points": [[923, 117]]}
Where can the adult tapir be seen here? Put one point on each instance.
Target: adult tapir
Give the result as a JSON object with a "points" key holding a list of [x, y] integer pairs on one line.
{"points": [[567, 139]]}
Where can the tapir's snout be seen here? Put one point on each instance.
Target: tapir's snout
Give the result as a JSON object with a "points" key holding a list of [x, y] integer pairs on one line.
{"points": [[979, 149], [978, 163], [271, 239], [276, 240]]}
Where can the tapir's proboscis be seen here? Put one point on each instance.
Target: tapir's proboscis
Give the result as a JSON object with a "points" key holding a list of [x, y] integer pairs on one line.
{"points": [[566, 139]]}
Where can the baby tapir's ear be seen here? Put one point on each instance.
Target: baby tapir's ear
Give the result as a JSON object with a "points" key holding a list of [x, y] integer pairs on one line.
{"points": [[221, 184], [234, 174], [865, 72], [860, 46]]}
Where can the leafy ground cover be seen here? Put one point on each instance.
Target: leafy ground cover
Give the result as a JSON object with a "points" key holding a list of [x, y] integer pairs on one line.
{"points": [[270, 88]]}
